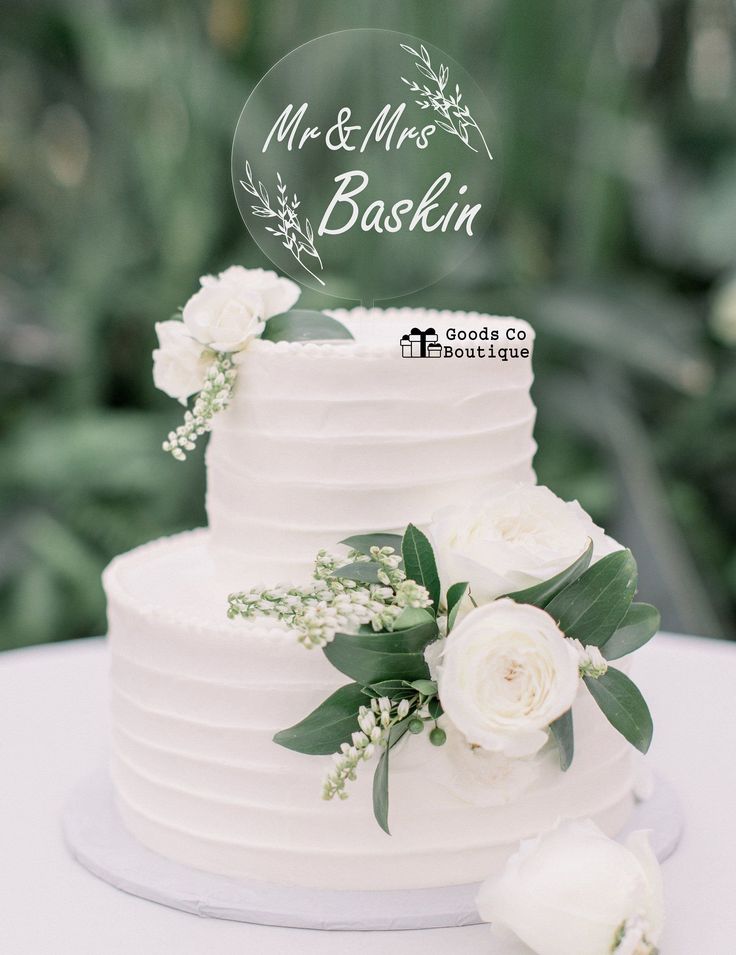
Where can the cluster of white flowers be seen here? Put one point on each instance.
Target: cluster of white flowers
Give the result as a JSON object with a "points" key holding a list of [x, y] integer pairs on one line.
{"points": [[591, 661], [375, 724], [214, 396], [196, 353], [332, 603], [389, 569]]}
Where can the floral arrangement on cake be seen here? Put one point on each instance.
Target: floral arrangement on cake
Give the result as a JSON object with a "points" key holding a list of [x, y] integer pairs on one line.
{"points": [[485, 627], [201, 348]]}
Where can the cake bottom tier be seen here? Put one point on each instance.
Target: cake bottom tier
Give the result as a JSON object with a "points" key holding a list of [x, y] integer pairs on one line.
{"points": [[196, 699]]}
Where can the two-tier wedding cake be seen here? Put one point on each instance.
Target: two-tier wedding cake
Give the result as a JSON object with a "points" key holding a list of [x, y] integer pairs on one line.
{"points": [[322, 436]]}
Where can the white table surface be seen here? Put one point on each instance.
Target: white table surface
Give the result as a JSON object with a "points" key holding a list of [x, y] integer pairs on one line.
{"points": [[54, 731]]}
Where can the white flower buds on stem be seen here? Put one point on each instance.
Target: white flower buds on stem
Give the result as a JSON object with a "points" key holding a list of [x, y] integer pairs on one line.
{"points": [[332, 603], [591, 661]]}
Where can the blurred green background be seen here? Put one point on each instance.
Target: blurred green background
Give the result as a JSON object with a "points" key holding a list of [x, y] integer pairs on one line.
{"points": [[615, 235]]}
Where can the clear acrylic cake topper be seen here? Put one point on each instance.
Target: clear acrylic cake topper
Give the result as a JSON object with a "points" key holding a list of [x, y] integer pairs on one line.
{"points": [[364, 164]]}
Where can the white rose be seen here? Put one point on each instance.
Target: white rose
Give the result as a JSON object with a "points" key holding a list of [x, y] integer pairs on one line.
{"points": [[277, 294], [516, 536], [573, 890], [474, 774], [433, 657], [223, 318], [179, 363], [507, 672]]}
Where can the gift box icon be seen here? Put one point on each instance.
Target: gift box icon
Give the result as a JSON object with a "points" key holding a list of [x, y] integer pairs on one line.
{"points": [[418, 342]]}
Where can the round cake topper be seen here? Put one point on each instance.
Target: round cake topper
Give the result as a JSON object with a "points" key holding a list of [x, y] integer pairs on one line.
{"points": [[364, 164]]}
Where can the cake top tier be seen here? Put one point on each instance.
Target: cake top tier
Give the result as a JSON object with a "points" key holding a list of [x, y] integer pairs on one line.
{"points": [[327, 439]]}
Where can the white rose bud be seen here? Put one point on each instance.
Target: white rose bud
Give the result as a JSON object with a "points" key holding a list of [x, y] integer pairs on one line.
{"points": [[516, 536], [507, 672], [223, 318], [179, 363], [573, 890], [277, 294]]}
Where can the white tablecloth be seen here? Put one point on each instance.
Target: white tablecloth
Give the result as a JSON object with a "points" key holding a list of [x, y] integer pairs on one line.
{"points": [[54, 731]]}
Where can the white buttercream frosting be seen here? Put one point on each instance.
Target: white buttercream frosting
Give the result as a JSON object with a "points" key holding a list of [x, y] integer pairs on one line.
{"points": [[323, 440], [196, 699]]}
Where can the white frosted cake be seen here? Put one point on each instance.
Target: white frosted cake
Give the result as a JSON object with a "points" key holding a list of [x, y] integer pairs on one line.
{"points": [[323, 440]]}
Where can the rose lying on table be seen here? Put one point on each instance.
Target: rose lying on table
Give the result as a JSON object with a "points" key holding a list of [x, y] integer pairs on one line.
{"points": [[497, 667], [573, 891]]}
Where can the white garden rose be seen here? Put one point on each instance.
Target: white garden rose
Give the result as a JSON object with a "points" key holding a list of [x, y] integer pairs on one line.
{"points": [[574, 891], [223, 318], [507, 672], [515, 536], [475, 775], [277, 294], [179, 363]]}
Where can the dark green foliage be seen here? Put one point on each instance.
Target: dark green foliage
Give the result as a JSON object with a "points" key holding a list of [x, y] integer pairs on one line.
{"points": [[373, 657], [330, 724], [541, 594], [591, 608], [419, 562], [564, 735], [301, 325], [624, 706]]}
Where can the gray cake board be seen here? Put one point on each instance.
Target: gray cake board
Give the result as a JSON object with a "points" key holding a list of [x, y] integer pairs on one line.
{"points": [[97, 838]]}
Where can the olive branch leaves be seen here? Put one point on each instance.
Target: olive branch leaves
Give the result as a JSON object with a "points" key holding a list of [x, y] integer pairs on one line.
{"points": [[296, 238], [456, 118]]}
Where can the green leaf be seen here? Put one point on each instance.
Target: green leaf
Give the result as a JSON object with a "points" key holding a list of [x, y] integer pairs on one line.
{"points": [[332, 723], [591, 608], [369, 666], [541, 594], [425, 687], [623, 706], [363, 542], [393, 689], [638, 626], [365, 571], [380, 792], [413, 640], [455, 596], [562, 731], [412, 617], [380, 777], [419, 562], [301, 325], [374, 658], [435, 708]]}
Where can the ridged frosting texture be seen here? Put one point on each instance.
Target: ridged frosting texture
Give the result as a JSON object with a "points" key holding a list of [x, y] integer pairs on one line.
{"points": [[323, 440], [196, 700]]}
